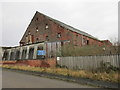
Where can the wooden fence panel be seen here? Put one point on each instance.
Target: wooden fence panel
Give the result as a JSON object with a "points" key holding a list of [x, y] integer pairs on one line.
{"points": [[89, 62]]}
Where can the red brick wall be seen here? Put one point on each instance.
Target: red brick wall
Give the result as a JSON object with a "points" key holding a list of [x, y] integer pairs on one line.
{"points": [[8, 62], [37, 63], [51, 32]]}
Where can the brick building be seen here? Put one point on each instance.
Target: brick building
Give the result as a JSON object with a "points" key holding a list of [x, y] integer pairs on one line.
{"points": [[43, 28], [45, 34]]}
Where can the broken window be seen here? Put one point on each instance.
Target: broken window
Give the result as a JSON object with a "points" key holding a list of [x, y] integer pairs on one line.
{"points": [[29, 32], [37, 29], [22, 43], [47, 38], [29, 39], [37, 40], [87, 42], [58, 35], [46, 26]]}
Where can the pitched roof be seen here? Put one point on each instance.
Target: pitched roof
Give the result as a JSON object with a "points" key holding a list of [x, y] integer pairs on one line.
{"points": [[69, 27]]}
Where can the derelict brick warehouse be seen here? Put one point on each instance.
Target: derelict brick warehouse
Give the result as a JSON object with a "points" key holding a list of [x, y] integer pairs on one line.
{"points": [[44, 38], [43, 28]]}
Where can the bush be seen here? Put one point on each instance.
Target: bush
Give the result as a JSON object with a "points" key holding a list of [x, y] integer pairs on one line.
{"points": [[71, 50], [107, 67]]}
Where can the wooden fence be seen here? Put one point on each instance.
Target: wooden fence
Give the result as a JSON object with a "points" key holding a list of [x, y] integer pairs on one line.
{"points": [[89, 62]]}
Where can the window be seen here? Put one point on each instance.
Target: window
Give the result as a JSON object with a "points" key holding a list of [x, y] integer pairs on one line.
{"points": [[37, 39], [40, 48], [47, 38], [37, 19], [31, 53], [58, 35], [46, 26], [62, 43], [84, 41], [24, 53], [29, 32], [87, 42], [28, 41], [17, 55], [36, 29], [5, 55], [12, 55]]}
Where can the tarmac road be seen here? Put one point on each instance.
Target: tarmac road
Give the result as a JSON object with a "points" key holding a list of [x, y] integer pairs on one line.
{"points": [[11, 79]]}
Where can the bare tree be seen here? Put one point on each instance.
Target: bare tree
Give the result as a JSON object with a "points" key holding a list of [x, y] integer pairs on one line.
{"points": [[114, 40]]}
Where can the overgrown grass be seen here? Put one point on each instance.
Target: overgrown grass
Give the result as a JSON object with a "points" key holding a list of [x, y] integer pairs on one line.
{"points": [[111, 76], [71, 50]]}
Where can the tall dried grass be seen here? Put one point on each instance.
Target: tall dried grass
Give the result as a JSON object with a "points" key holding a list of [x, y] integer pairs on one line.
{"points": [[111, 77]]}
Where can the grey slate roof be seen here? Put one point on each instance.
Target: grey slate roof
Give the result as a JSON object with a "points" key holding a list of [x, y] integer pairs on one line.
{"points": [[70, 27]]}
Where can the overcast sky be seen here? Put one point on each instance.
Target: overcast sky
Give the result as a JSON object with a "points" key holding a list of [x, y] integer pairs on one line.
{"points": [[96, 17]]}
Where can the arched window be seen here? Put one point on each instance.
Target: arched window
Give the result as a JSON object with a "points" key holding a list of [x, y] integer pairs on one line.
{"points": [[5, 55], [31, 52], [17, 55], [24, 52], [12, 56]]}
